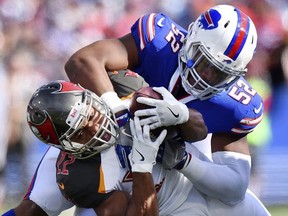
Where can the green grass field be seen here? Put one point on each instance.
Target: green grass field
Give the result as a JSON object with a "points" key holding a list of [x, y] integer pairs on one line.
{"points": [[278, 210]]}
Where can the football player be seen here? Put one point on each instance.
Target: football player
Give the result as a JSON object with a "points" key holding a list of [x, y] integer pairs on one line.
{"points": [[78, 122], [203, 68], [213, 103], [43, 196], [88, 171], [65, 110]]}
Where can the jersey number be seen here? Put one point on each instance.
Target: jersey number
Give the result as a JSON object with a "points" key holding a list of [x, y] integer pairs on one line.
{"points": [[243, 96], [171, 38], [62, 165]]}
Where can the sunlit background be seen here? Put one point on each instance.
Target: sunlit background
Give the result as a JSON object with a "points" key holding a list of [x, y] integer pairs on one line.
{"points": [[38, 36]]}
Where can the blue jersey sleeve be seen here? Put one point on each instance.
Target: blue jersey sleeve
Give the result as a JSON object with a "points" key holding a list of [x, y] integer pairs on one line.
{"points": [[238, 110], [158, 39], [147, 27]]}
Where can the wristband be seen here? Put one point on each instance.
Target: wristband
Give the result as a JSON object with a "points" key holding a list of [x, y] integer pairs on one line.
{"points": [[113, 101], [184, 162], [117, 106]]}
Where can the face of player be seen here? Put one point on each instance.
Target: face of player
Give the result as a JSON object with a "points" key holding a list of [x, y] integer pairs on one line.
{"points": [[203, 69], [202, 76], [89, 127], [209, 73]]}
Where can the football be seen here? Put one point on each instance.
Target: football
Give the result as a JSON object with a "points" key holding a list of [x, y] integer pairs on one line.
{"points": [[134, 106], [142, 92]]}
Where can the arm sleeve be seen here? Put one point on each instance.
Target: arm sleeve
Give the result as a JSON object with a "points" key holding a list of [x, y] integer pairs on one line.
{"points": [[226, 178]]}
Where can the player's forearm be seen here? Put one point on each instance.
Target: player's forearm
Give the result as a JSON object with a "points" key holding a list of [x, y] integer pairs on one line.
{"points": [[143, 158], [89, 65], [89, 72], [195, 128], [144, 198], [226, 178]]}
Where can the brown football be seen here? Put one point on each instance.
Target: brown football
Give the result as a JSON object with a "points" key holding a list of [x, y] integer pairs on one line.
{"points": [[134, 106], [143, 92]]}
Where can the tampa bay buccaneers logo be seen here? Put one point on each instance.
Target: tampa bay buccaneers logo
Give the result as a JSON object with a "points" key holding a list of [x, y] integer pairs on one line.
{"points": [[209, 19], [68, 87], [43, 129]]}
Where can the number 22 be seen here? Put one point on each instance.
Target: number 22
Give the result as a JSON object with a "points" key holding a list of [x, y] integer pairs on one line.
{"points": [[171, 38]]}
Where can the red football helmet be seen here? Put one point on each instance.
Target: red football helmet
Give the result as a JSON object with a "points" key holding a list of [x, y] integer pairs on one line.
{"points": [[57, 111]]}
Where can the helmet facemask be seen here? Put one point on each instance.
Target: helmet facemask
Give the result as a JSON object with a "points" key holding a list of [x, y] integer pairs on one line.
{"points": [[202, 75], [107, 130]]}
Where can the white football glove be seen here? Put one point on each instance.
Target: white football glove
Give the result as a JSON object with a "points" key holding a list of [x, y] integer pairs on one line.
{"points": [[167, 112], [144, 150]]}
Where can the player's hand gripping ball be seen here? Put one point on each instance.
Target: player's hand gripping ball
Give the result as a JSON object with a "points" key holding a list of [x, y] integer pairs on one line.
{"points": [[143, 92], [134, 106]]}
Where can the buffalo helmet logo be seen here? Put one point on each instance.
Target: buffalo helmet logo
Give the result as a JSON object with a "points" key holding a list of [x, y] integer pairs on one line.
{"points": [[209, 19]]}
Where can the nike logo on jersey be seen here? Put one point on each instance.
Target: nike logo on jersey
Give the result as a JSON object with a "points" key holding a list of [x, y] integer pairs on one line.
{"points": [[61, 185], [174, 114], [259, 109], [160, 22], [142, 156]]}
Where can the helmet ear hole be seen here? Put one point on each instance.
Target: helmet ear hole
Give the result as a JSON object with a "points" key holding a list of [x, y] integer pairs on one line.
{"points": [[253, 38], [51, 87], [226, 24]]}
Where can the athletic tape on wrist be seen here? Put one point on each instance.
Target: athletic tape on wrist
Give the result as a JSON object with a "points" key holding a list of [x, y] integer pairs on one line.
{"points": [[113, 101]]}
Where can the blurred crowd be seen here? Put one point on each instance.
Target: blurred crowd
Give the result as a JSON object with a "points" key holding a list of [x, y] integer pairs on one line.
{"points": [[38, 36]]}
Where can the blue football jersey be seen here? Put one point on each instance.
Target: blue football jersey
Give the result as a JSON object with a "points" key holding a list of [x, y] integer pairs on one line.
{"points": [[158, 38]]}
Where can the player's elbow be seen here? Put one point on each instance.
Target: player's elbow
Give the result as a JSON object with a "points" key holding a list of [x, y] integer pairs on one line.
{"points": [[236, 174], [81, 65], [73, 66], [235, 192]]}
